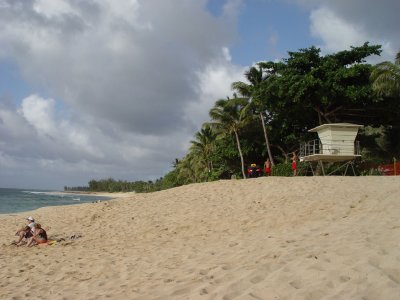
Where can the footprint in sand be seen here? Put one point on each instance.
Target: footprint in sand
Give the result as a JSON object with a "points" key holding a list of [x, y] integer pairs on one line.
{"points": [[296, 284], [374, 262], [344, 278], [226, 267], [203, 292], [393, 275], [257, 279], [255, 296], [231, 296], [180, 292], [330, 285], [382, 251]]}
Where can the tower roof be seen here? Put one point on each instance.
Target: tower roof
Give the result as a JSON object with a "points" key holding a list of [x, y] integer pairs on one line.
{"points": [[335, 125]]}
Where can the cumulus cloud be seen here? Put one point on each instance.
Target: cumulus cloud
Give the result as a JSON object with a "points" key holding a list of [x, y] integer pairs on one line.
{"points": [[119, 60], [134, 78], [38, 112], [51, 8], [341, 24], [336, 33], [213, 84]]}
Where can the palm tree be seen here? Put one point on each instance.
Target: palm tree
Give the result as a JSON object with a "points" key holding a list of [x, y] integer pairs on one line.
{"points": [[186, 169], [255, 77], [386, 78], [204, 145], [229, 118]]}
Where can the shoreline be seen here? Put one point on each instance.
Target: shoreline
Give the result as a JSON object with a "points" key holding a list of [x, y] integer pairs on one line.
{"points": [[108, 197], [101, 194]]}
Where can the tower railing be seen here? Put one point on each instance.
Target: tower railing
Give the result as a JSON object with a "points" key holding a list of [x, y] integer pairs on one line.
{"points": [[315, 147]]}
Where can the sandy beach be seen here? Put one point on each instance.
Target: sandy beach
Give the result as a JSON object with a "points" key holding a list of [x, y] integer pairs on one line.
{"points": [[264, 238]]}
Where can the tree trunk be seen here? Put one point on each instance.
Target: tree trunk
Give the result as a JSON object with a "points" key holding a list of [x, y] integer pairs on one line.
{"points": [[240, 153], [208, 164], [266, 139], [283, 152], [319, 118], [321, 114]]}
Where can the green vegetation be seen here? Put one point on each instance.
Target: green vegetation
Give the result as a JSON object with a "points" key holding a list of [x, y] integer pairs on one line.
{"points": [[386, 78], [289, 97], [112, 186]]}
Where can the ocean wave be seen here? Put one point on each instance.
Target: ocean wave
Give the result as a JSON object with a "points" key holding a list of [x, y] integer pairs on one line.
{"points": [[36, 192]]}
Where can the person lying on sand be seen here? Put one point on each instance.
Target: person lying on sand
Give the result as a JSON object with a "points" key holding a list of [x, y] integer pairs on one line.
{"points": [[39, 236], [25, 232]]}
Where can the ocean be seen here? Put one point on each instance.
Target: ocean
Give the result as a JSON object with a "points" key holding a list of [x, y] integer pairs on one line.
{"points": [[20, 200]]}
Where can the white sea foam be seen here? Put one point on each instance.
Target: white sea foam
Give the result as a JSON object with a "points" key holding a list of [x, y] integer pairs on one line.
{"points": [[34, 192]]}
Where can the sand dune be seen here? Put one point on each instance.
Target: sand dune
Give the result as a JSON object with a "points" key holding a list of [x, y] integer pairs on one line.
{"points": [[265, 238]]}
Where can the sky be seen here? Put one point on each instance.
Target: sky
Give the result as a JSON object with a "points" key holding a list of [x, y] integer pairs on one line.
{"points": [[117, 88]]}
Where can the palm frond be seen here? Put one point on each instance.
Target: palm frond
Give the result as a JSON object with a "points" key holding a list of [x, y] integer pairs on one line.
{"points": [[385, 79]]}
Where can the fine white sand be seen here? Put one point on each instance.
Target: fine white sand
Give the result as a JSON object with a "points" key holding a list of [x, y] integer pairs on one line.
{"points": [[265, 238]]}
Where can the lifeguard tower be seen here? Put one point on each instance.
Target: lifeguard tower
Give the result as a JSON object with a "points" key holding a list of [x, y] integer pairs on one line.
{"points": [[336, 144]]}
